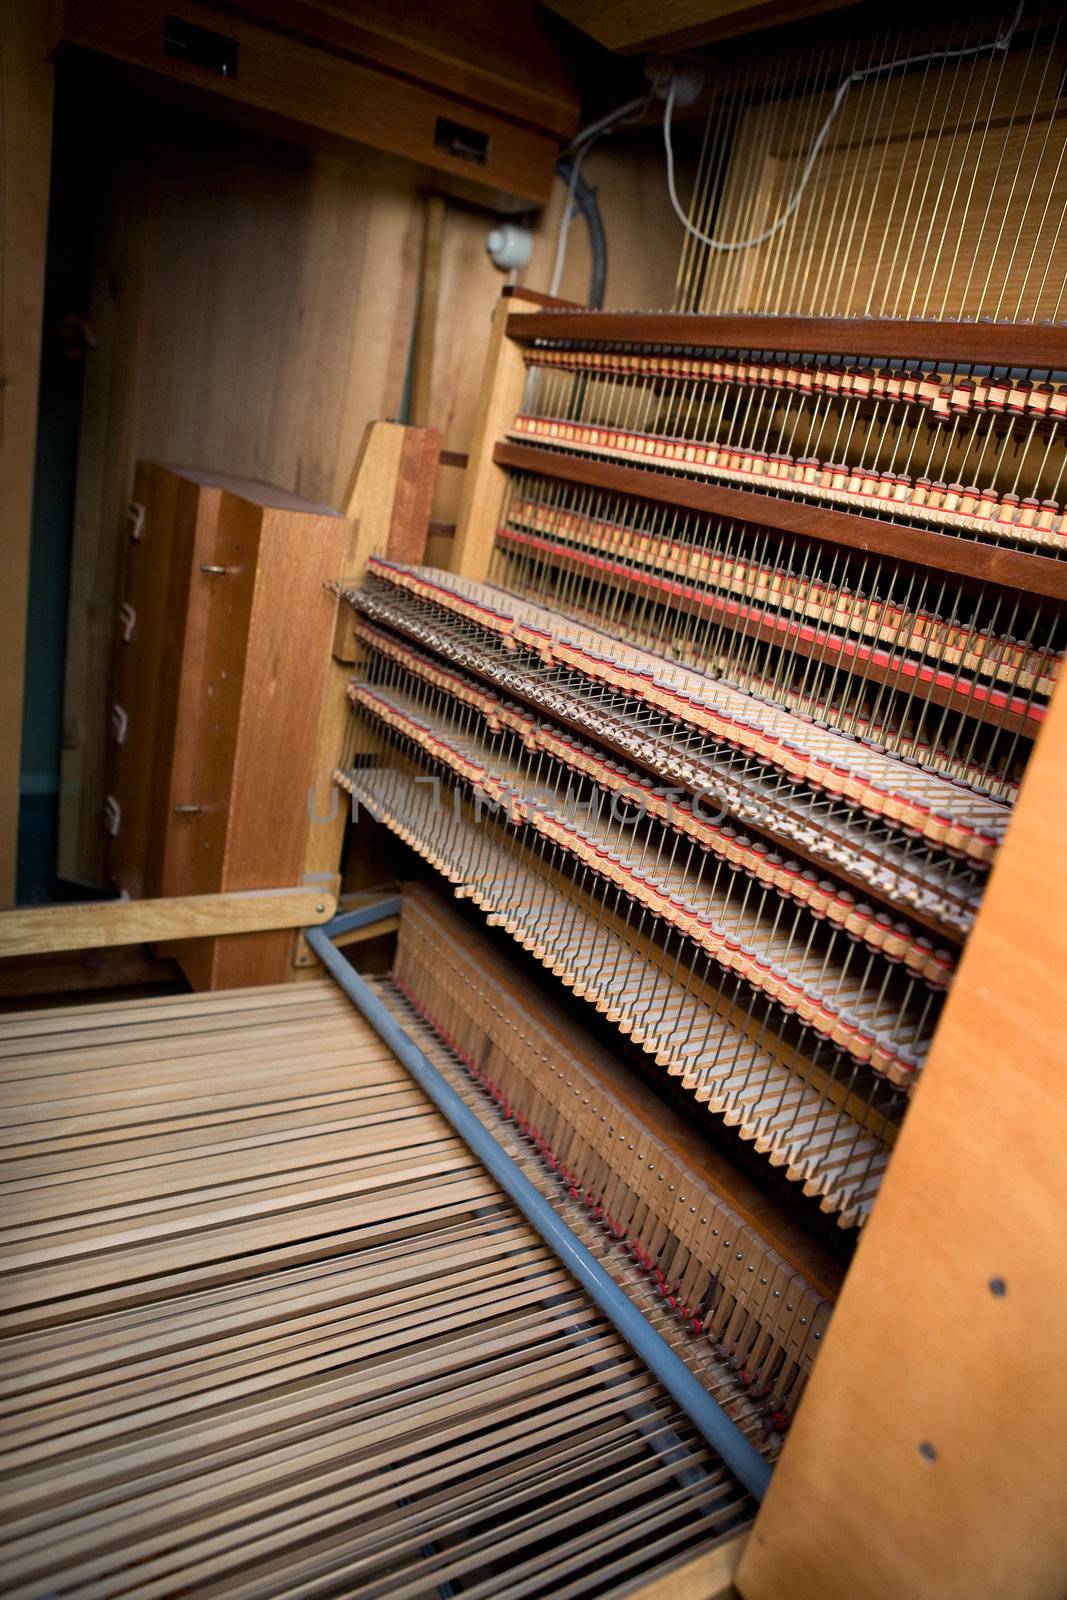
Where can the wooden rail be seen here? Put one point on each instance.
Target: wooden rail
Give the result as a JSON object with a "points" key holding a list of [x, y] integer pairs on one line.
{"points": [[987, 563], [1040, 345], [36, 930]]}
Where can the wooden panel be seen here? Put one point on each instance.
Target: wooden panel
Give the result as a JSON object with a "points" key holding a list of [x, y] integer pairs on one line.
{"points": [[1040, 345], [304, 88], [1011, 569], [773, 1221], [100, 923], [107, 452], [926, 1458], [25, 153], [484, 480], [491, 52], [225, 253], [284, 282], [682, 23], [388, 506], [709, 1577], [170, 519], [255, 658]]}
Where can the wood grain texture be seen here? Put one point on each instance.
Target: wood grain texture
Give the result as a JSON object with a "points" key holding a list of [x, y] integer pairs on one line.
{"points": [[292, 84], [485, 479], [254, 670], [388, 506], [107, 454], [116, 922], [966, 558], [1039, 345], [25, 155], [927, 1451]]}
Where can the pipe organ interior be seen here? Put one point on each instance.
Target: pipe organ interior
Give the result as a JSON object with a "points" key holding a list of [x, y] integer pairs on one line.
{"points": [[732, 731]]}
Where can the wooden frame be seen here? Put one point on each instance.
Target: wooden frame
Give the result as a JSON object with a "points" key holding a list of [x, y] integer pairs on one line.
{"points": [[923, 1461]]}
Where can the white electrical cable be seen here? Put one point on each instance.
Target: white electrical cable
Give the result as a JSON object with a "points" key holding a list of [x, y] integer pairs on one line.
{"points": [[577, 151], [1001, 42]]}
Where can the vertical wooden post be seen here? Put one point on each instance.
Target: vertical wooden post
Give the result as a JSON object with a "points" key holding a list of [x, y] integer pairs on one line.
{"points": [[25, 169], [483, 486], [389, 504], [927, 1454]]}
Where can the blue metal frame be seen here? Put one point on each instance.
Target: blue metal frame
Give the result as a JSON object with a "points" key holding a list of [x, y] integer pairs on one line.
{"points": [[706, 1415]]}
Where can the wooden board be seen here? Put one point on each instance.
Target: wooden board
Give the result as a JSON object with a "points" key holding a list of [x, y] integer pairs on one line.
{"points": [[927, 1455], [1038, 345], [291, 84], [966, 558], [100, 923], [25, 153]]}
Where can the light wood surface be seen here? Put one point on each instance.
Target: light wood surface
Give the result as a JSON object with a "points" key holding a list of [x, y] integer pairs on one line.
{"points": [[25, 155], [709, 1577], [927, 1452], [255, 657], [388, 506], [484, 481], [32, 930]]}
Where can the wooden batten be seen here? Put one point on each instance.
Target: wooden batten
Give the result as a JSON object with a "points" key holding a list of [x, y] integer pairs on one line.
{"points": [[100, 924]]}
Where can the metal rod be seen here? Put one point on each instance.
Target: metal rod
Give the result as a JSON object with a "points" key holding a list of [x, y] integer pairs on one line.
{"points": [[705, 1414]]}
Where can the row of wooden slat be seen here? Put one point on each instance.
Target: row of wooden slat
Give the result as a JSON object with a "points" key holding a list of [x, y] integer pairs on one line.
{"points": [[270, 1329]]}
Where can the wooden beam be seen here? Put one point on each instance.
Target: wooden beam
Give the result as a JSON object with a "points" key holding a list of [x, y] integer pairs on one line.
{"points": [[926, 1458], [986, 563], [389, 503], [1041, 345], [107, 922], [483, 485], [25, 167]]}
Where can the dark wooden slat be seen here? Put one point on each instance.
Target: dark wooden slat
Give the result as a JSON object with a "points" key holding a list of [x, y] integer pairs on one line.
{"points": [[815, 642], [1010, 569], [1015, 344], [535, 297]]}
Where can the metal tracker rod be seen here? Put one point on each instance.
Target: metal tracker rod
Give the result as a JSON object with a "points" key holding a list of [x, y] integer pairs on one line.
{"points": [[706, 1415]]}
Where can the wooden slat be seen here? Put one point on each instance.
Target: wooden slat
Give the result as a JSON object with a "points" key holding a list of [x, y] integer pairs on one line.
{"points": [[111, 922], [223, 1333], [1042, 346], [966, 558]]}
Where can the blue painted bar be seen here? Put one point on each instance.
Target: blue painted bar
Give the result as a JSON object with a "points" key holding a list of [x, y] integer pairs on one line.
{"points": [[706, 1415]]}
